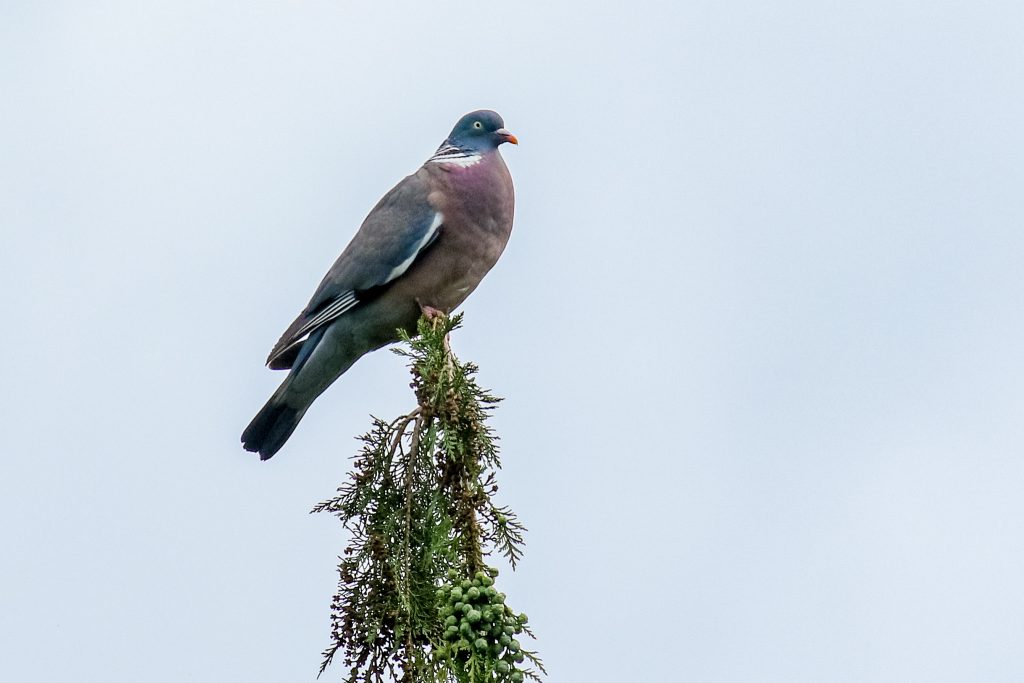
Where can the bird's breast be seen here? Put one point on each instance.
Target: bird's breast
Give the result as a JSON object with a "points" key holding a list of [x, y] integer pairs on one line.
{"points": [[477, 205]]}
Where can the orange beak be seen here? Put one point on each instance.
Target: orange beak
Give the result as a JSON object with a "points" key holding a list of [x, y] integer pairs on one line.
{"points": [[506, 136]]}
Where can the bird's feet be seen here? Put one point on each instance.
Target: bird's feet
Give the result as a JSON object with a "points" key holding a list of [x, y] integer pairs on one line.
{"points": [[435, 316], [430, 313]]}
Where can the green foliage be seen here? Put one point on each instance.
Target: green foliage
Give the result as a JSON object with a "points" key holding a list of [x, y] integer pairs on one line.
{"points": [[416, 601]]}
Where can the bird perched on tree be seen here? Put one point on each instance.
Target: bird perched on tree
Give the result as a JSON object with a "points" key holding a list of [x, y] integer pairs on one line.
{"points": [[425, 246]]}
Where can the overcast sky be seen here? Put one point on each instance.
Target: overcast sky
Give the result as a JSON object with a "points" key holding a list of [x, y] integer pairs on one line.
{"points": [[760, 327]]}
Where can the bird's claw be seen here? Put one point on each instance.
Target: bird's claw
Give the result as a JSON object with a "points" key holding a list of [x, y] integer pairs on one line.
{"points": [[435, 316], [430, 313]]}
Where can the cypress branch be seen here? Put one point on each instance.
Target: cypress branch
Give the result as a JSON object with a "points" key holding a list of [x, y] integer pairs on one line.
{"points": [[416, 600]]}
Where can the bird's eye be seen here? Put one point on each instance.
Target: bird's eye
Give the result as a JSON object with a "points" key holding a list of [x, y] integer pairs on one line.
{"points": [[477, 124]]}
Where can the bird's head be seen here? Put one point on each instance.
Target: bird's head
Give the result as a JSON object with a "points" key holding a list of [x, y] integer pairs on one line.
{"points": [[480, 131]]}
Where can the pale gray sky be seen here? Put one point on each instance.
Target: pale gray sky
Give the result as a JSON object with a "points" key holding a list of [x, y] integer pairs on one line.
{"points": [[759, 327]]}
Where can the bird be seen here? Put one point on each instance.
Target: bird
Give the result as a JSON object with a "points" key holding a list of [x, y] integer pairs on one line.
{"points": [[423, 248]]}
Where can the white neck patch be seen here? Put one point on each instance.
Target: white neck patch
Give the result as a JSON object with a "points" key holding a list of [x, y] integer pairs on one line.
{"points": [[449, 154]]}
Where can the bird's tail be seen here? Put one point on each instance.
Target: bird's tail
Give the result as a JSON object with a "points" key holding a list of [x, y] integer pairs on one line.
{"points": [[271, 427]]}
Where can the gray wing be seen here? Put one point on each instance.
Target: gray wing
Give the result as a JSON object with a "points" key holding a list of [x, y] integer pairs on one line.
{"points": [[397, 230]]}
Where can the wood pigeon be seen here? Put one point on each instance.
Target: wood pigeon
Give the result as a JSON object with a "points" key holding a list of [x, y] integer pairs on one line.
{"points": [[426, 245]]}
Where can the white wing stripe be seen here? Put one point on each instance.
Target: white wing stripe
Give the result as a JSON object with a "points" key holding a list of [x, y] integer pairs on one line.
{"points": [[424, 241], [335, 309]]}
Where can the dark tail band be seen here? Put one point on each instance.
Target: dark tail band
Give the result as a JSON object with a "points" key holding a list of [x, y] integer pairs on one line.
{"points": [[271, 428]]}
